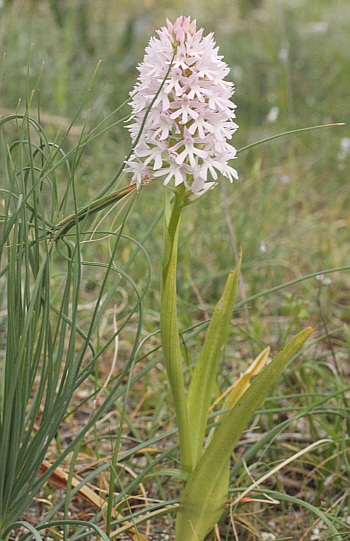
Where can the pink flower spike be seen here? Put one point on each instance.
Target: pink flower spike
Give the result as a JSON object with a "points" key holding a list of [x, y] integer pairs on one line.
{"points": [[186, 133]]}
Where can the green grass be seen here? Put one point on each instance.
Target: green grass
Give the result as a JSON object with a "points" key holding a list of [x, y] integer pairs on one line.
{"points": [[289, 212]]}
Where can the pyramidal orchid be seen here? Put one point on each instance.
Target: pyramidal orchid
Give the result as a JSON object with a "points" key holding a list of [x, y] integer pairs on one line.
{"points": [[185, 136], [181, 124]]}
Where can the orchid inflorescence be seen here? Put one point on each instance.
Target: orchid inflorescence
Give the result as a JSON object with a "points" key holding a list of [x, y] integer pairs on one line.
{"points": [[185, 134]]}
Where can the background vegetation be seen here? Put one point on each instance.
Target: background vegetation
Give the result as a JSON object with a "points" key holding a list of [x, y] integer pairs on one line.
{"points": [[289, 211]]}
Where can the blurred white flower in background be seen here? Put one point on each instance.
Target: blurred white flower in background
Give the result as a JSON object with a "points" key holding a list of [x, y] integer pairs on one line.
{"points": [[283, 55], [344, 148], [324, 280], [272, 115], [267, 536], [285, 179], [263, 248], [186, 133], [318, 27]]}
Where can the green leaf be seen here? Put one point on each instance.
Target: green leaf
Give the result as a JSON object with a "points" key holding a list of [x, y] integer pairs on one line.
{"points": [[169, 330], [205, 494], [204, 375]]}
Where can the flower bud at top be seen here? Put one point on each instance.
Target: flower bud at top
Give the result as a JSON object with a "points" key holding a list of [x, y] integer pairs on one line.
{"points": [[185, 135]]}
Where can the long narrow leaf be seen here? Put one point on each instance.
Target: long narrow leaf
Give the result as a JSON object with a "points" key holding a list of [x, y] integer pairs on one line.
{"points": [[203, 378], [203, 498], [170, 333]]}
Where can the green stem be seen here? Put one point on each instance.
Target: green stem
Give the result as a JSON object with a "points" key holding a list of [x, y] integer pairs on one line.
{"points": [[170, 333]]}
